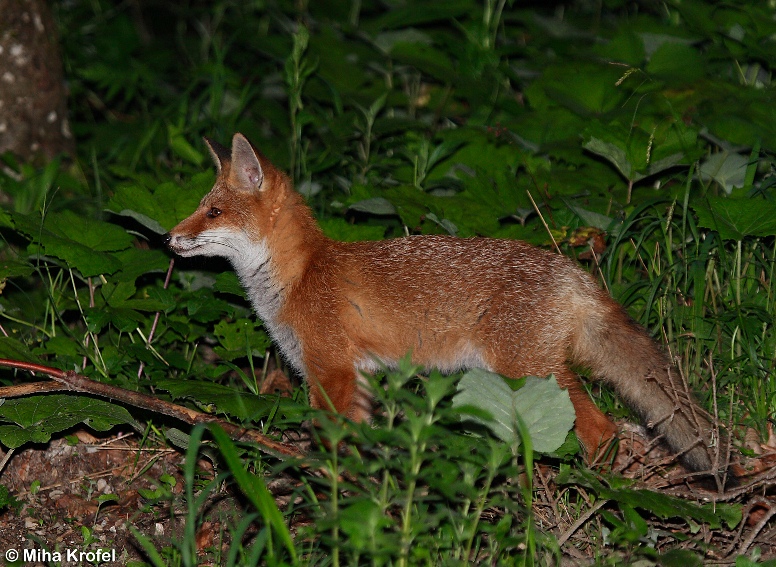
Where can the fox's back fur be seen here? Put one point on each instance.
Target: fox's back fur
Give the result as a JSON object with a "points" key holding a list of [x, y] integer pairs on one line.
{"points": [[336, 308]]}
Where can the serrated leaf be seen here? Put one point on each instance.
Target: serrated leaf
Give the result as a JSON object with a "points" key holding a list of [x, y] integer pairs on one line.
{"points": [[83, 244], [735, 219], [36, 418], [544, 407], [164, 207]]}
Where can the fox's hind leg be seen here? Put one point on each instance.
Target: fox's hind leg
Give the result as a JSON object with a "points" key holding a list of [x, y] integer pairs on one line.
{"points": [[595, 431]]}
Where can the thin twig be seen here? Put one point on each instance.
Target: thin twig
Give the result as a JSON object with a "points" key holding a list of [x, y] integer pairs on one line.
{"points": [[756, 530], [580, 521], [546, 226]]}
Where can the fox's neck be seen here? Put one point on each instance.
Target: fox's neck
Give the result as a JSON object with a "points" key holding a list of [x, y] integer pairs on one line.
{"points": [[271, 266]]}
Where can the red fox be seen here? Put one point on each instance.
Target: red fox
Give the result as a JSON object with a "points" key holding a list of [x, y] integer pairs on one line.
{"points": [[335, 308]]}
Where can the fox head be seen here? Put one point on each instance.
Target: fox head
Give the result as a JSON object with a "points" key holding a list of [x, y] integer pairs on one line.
{"points": [[239, 213]]}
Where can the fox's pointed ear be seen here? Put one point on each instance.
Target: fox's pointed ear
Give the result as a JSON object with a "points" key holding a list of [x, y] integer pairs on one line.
{"points": [[245, 172], [219, 153]]}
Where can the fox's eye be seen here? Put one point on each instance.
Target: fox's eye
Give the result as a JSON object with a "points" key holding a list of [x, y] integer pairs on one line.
{"points": [[213, 212]]}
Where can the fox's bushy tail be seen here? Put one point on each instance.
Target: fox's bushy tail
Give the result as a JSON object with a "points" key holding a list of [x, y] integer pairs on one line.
{"points": [[620, 352]]}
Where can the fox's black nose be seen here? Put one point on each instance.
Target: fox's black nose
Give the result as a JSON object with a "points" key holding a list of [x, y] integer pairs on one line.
{"points": [[167, 237]]}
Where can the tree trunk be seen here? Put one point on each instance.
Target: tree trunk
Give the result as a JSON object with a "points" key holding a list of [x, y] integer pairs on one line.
{"points": [[33, 101]]}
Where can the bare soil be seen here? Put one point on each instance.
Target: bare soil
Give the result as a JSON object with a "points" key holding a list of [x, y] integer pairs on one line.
{"points": [[58, 488]]}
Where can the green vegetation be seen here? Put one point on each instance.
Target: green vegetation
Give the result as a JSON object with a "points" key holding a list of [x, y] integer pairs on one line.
{"points": [[639, 138]]}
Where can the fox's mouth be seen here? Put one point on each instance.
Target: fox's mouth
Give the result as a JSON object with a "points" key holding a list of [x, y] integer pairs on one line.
{"points": [[182, 247]]}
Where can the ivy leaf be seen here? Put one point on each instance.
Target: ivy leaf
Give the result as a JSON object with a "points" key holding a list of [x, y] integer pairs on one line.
{"points": [[544, 407]]}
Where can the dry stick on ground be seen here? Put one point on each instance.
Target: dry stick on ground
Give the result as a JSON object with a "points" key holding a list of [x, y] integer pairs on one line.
{"points": [[78, 383]]}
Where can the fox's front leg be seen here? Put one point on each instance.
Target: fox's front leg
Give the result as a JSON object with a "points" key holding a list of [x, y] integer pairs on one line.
{"points": [[338, 388]]}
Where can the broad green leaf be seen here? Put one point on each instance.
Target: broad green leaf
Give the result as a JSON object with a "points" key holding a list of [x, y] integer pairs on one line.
{"points": [[82, 244], [613, 153], [93, 233], [629, 162], [138, 261], [544, 407], [425, 11], [426, 58], [594, 219], [228, 282], [164, 207], [362, 520], [386, 40], [582, 87], [653, 42], [727, 169], [678, 62], [35, 419], [735, 219]]}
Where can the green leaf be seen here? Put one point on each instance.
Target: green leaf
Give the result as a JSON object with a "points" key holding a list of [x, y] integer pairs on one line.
{"points": [[662, 505], [426, 58], [83, 243], [544, 407], [243, 337], [36, 418], [362, 521], [374, 206], [679, 62], [164, 207], [340, 229], [14, 349], [735, 219], [227, 282], [627, 163], [180, 145], [13, 268], [231, 401], [727, 169]]}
